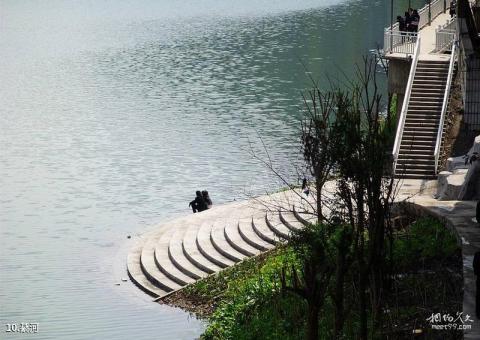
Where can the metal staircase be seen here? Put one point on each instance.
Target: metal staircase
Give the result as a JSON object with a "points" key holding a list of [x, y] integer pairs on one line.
{"points": [[416, 158], [421, 124]]}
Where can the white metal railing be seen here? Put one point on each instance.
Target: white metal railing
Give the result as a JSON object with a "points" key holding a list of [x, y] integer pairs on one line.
{"points": [[446, 98], [444, 40], [400, 42], [445, 35], [406, 100]]}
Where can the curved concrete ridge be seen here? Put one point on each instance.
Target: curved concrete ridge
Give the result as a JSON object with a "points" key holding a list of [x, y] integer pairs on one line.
{"points": [[150, 269], [246, 232], [290, 220], [263, 231], [235, 240], [178, 258], [207, 249], [164, 262], [275, 224], [220, 243], [192, 253], [136, 275]]}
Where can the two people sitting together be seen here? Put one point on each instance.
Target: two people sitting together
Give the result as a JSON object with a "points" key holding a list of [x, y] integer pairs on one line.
{"points": [[201, 202]]}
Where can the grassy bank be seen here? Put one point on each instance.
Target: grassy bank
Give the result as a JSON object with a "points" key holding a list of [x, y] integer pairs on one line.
{"points": [[249, 301]]}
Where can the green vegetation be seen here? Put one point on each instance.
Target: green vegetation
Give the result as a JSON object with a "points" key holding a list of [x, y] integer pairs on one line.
{"points": [[255, 299]]}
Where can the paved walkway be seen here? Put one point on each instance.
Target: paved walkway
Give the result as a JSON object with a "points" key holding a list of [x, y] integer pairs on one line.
{"points": [[184, 250]]}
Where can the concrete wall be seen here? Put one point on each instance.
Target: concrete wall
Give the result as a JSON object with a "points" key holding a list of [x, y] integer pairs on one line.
{"points": [[398, 71]]}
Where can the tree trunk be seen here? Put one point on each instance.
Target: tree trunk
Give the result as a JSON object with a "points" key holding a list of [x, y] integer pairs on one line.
{"points": [[318, 188], [362, 286], [339, 294], [312, 326]]}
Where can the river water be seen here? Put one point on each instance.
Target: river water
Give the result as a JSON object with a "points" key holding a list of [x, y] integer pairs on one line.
{"points": [[112, 114]]}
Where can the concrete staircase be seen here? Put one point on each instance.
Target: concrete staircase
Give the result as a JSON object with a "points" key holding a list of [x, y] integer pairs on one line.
{"points": [[192, 248], [416, 156]]}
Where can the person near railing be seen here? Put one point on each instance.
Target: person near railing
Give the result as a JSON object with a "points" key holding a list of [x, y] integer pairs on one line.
{"points": [[402, 27], [408, 20], [453, 8], [415, 21]]}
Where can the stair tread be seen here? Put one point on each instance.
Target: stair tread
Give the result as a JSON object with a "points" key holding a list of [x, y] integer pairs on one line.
{"points": [[233, 237], [136, 274], [261, 228], [220, 243], [164, 263], [150, 268], [276, 225], [176, 255], [249, 235], [207, 249], [193, 254]]}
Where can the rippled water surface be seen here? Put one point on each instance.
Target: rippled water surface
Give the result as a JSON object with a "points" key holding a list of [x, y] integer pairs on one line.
{"points": [[112, 113]]}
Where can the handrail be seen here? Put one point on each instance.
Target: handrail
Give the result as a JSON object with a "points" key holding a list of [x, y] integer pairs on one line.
{"points": [[446, 97], [406, 100]]}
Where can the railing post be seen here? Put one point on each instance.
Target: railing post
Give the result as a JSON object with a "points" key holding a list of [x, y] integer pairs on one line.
{"points": [[429, 12], [391, 26], [444, 6]]}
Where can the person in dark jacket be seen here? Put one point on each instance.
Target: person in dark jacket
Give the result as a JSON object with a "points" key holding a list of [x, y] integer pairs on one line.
{"points": [[401, 24], [408, 20], [453, 8], [415, 17], [207, 199], [198, 204]]}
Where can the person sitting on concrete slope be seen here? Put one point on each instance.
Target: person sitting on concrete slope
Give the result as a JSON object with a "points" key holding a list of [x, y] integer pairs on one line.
{"points": [[198, 204], [207, 199]]}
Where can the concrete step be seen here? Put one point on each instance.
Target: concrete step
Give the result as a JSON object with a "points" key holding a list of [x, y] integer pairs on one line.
{"points": [[275, 224], [207, 249], [263, 230], [415, 172], [150, 269], [425, 157], [431, 79], [135, 273], [289, 219], [417, 147], [420, 133], [425, 103], [428, 85], [427, 114], [163, 262], [233, 237], [304, 217], [416, 125], [422, 166], [408, 161], [414, 176], [431, 73], [245, 229], [193, 254], [417, 143], [220, 243], [430, 66], [428, 95], [178, 258]]}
